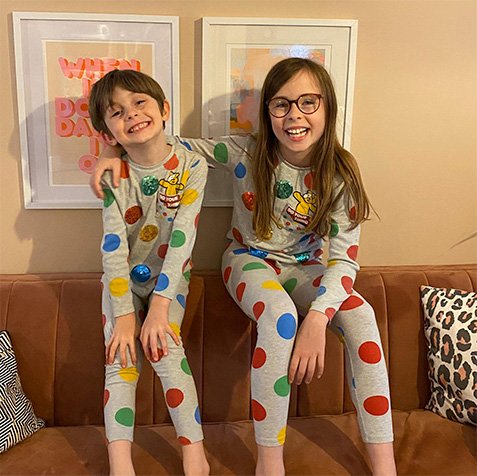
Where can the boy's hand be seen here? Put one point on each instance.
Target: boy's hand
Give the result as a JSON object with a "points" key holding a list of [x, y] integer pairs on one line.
{"points": [[108, 160], [122, 339], [309, 352], [156, 326]]}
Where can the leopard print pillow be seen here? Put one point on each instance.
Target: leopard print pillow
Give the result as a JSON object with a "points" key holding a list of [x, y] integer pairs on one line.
{"points": [[450, 326]]}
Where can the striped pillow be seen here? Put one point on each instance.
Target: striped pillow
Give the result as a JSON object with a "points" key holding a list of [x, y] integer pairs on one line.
{"points": [[17, 418]]}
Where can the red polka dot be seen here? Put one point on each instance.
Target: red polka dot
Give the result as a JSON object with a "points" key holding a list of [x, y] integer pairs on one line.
{"points": [[317, 281], [369, 352], [352, 252], [237, 235], [172, 163], [351, 303], [124, 169], [352, 213], [240, 290], [318, 252], [258, 308], [259, 413], [347, 284], [196, 220], [186, 262], [174, 397], [377, 405], [227, 272], [248, 199], [184, 441], [311, 262], [309, 181], [162, 251], [103, 319], [273, 264], [105, 396], [330, 312], [259, 358]]}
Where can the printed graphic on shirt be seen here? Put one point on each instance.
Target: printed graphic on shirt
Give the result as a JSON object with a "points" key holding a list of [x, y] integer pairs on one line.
{"points": [[171, 185], [305, 209]]}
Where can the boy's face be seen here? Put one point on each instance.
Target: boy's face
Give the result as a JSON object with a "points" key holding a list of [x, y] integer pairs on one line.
{"points": [[135, 119]]}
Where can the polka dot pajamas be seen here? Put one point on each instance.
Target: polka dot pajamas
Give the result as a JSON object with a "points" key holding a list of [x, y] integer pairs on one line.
{"points": [[150, 224], [276, 279]]}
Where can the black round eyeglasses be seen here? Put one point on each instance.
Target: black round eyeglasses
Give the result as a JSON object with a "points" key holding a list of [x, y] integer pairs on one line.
{"points": [[306, 103]]}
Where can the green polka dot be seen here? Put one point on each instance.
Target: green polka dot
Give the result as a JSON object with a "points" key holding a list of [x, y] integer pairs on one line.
{"points": [[125, 416], [186, 276], [185, 366], [283, 189], [282, 387], [255, 265], [221, 153], [149, 185], [290, 285], [177, 239], [108, 197], [334, 229]]}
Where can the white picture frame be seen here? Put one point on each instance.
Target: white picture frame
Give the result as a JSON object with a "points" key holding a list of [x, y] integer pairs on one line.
{"points": [[57, 58], [236, 55]]}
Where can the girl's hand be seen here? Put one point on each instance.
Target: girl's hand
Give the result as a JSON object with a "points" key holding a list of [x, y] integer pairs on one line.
{"points": [[157, 326], [309, 352], [108, 160], [122, 339]]}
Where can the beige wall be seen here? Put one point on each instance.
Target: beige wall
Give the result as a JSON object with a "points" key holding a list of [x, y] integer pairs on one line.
{"points": [[414, 131]]}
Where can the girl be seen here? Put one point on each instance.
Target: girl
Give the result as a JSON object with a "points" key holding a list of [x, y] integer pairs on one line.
{"points": [[294, 185]]}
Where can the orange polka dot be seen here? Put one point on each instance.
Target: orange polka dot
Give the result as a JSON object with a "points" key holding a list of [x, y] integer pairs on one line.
{"points": [[124, 169], [184, 441], [259, 358], [227, 272], [377, 405], [105, 397], [258, 309], [240, 290], [174, 397], [259, 413], [369, 352], [309, 181], [172, 163], [351, 303]]}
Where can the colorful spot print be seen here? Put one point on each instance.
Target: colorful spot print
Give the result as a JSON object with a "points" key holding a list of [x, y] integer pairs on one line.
{"points": [[369, 352], [258, 309], [133, 214], [290, 285], [237, 235], [172, 163], [129, 374], [162, 250], [248, 199], [124, 169], [189, 196], [140, 273], [186, 145], [186, 275], [330, 312], [221, 153], [181, 300], [240, 251], [259, 358], [240, 170], [282, 387], [321, 291], [108, 197], [111, 242], [178, 238], [118, 287], [149, 185], [352, 252], [227, 272], [317, 281], [282, 436], [286, 326], [162, 282], [308, 180], [254, 265], [283, 189], [197, 417], [174, 397], [351, 303], [185, 366], [106, 396], [258, 411], [335, 229], [175, 328], [352, 213], [239, 291], [184, 441], [347, 284], [196, 220], [125, 416], [272, 285], [148, 233], [377, 405], [258, 253]]}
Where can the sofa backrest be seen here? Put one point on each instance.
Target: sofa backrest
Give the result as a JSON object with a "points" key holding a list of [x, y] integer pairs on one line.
{"points": [[56, 328]]}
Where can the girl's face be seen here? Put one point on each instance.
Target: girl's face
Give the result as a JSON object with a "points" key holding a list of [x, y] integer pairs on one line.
{"points": [[297, 132]]}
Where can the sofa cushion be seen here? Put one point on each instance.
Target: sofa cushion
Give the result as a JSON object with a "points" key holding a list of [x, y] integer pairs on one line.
{"points": [[450, 327], [17, 418]]}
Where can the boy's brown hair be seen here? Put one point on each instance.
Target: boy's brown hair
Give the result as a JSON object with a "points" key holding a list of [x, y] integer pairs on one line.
{"points": [[101, 97]]}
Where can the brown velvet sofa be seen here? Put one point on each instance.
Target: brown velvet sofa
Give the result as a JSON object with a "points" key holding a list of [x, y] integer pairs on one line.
{"points": [[55, 324]]}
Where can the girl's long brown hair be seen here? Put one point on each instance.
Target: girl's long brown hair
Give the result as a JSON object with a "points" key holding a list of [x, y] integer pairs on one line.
{"points": [[329, 160]]}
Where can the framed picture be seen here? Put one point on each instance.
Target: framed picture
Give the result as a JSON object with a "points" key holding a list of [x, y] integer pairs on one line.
{"points": [[237, 54], [58, 58]]}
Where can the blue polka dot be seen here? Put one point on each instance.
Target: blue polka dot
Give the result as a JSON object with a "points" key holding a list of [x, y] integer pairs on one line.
{"points": [[182, 300], [240, 171], [240, 251], [305, 237], [195, 164], [170, 219], [140, 273], [341, 330], [162, 282], [321, 291], [353, 382], [111, 242], [258, 253], [186, 144], [286, 326], [197, 416]]}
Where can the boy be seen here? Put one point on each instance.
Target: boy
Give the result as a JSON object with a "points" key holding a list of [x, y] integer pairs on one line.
{"points": [[149, 226]]}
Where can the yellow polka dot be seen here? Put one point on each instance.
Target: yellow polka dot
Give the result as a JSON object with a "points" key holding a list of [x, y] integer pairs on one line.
{"points": [[176, 329], [332, 262], [148, 232], [129, 374], [189, 196], [185, 177], [282, 435], [271, 285], [118, 287]]}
